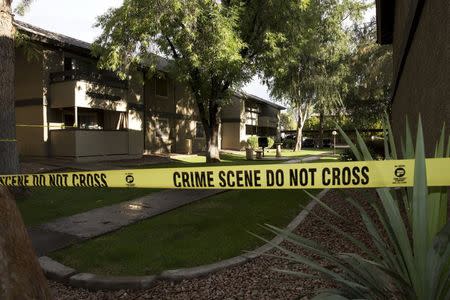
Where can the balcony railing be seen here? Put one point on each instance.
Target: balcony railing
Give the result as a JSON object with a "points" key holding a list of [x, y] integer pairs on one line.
{"points": [[100, 77]]}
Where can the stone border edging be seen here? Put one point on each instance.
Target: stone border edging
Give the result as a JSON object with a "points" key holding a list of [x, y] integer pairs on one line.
{"points": [[61, 273]]}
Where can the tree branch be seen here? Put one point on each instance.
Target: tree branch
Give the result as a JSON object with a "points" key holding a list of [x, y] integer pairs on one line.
{"points": [[172, 48]]}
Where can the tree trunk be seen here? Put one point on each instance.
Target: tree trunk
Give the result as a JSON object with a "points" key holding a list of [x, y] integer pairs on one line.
{"points": [[301, 120], [9, 161], [212, 134], [320, 139], [212, 147], [21, 276], [298, 141]]}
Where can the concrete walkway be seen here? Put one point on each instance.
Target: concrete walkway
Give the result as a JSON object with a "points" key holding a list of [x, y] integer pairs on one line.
{"points": [[67, 231]]}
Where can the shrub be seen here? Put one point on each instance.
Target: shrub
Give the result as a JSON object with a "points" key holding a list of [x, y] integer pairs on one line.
{"points": [[347, 155], [270, 142], [376, 150], [412, 260], [288, 144], [253, 142]]}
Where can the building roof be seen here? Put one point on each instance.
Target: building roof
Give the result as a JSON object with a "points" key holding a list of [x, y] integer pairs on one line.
{"points": [[259, 99], [52, 38]]}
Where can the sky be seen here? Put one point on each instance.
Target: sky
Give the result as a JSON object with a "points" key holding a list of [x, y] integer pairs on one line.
{"points": [[77, 18]]}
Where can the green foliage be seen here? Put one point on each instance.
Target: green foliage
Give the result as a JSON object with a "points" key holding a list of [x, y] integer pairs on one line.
{"points": [[287, 121], [369, 78], [270, 142], [413, 262], [213, 45], [32, 50], [375, 147], [288, 144], [22, 7], [253, 142], [308, 69]]}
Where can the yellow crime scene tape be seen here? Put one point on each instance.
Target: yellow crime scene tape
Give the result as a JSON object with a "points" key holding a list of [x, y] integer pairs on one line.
{"points": [[364, 174], [52, 126]]}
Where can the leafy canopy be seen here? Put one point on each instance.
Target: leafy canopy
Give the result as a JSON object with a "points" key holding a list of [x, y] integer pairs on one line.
{"points": [[214, 45], [369, 80], [310, 68]]}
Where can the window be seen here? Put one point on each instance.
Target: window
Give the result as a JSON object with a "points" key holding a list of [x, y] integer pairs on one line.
{"points": [[251, 114], [199, 130], [267, 131], [161, 88], [68, 64], [251, 130], [68, 67]]}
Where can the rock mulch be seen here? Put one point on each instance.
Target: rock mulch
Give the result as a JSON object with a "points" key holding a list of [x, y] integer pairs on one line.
{"points": [[255, 279]]}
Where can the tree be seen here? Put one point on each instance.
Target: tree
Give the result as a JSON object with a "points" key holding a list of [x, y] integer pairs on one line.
{"points": [[20, 274], [9, 160], [308, 71], [368, 88], [215, 46], [287, 121]]}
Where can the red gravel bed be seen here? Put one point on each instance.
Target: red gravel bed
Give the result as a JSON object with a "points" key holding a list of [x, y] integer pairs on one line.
{"points": [[255, 279]]}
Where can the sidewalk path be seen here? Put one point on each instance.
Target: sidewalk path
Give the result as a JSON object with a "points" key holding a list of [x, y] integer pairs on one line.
{"points": [[67, 231]]}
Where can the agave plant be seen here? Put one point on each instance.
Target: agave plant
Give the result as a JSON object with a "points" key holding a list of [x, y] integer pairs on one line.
{"points": [[412, 257]]}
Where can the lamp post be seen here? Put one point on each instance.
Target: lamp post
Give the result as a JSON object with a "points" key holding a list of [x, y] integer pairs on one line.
{"points": [[334, 133]]}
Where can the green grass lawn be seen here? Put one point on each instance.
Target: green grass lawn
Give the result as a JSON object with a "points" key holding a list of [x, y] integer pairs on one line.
{"points": [[46, 204], [226, 159], [290, 154], [200, 233]]}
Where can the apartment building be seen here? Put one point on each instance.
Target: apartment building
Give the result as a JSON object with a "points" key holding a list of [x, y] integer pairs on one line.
{"points": [[66, 107]]}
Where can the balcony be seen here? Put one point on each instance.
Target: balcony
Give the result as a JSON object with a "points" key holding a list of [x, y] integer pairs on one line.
{"points": [[89, 143], [100, 77], [88, 89]]}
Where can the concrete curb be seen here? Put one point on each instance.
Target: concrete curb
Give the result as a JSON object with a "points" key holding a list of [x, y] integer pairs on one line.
{"points": [[60, 273]]}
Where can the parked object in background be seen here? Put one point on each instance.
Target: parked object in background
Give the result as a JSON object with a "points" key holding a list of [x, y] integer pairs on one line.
{"points": [[375, 147], [308, 143], [263, 142], [259, 154], [327, 143], [289, 141]]}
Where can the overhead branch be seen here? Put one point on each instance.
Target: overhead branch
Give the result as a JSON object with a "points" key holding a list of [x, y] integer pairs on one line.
{"points": [[172, 48]]}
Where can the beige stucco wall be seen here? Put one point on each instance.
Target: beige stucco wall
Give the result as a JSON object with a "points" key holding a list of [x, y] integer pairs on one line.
{"points": [[63, 143], [231, 133], [30, 140], [136, 88], [28, 77], [158, 103], [135, 142], [233, 110], [74, 93], [89, 143], [154, 142], [424, 86]]}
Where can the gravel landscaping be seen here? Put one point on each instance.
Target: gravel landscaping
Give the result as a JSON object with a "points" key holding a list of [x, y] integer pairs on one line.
{"points": [[255, 279]]}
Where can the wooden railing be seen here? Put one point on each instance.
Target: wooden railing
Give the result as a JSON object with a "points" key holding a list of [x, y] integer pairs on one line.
{"points": [[100, 77]]}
